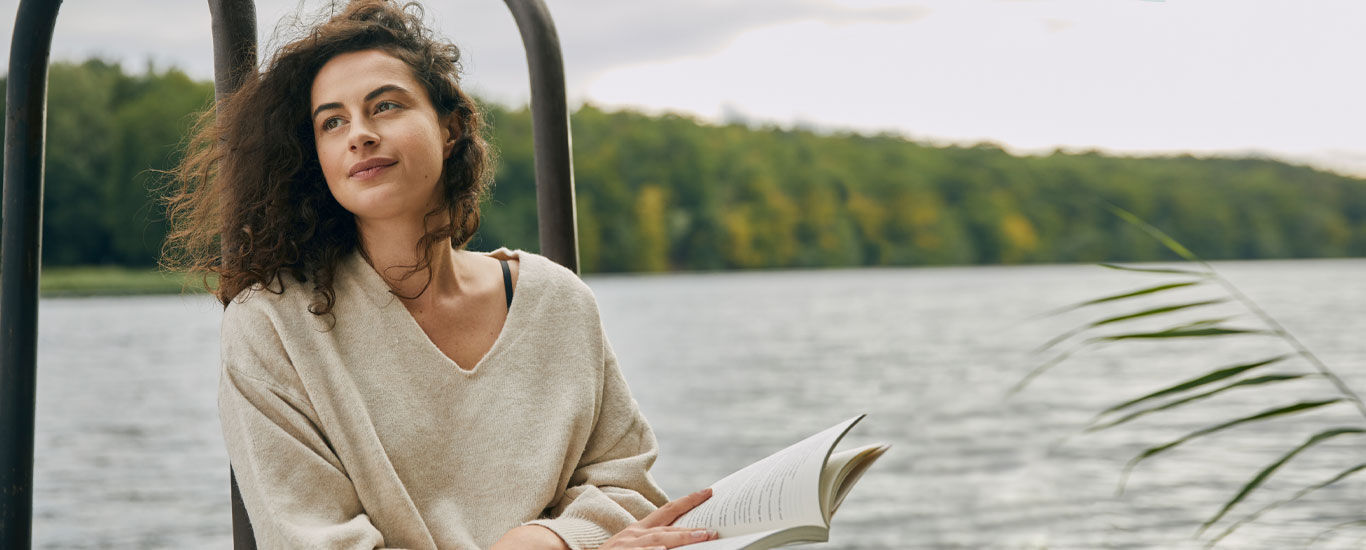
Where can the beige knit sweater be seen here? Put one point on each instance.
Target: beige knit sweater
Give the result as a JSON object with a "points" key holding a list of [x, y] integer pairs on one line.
{"points": [[366, 435]]}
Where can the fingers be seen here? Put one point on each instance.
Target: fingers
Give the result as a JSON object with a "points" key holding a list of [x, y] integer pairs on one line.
{"points": [[658, 538], [667, 513], [671, 537]]}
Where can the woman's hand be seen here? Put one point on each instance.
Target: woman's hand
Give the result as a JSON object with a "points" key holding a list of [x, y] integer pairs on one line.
{"points": [[525, 537], [651, 533], [654, 531]]}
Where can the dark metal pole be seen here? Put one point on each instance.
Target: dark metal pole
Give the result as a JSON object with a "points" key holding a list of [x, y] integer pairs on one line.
{"points": [[550, 119], [234, 44], [20, 258], [234, 57]]}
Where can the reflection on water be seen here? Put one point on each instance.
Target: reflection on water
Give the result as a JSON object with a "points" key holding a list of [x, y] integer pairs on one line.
{"points": [[730, 367]]}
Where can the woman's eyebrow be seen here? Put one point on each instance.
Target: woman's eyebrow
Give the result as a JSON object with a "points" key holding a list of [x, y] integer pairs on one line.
{"points": [[372, 95]]}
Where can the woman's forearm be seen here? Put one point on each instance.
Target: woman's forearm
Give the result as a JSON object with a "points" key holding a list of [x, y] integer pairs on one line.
{"points": [[530, 537]]}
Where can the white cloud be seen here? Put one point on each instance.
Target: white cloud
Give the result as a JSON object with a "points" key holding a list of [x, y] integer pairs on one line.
{"points": [[1126, 75], [1132, 76]]}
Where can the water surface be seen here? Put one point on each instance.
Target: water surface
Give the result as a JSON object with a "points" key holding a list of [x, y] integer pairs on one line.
{"points": [[732, 366]]}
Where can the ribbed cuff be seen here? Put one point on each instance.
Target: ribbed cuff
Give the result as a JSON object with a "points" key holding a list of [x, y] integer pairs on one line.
{"points": [[579, 534]]}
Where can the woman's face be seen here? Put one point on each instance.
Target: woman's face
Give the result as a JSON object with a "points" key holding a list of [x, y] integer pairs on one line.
{"points": [[380, 142]]}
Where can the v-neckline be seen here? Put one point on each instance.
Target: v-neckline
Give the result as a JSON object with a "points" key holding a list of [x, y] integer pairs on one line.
{"points": [[413, 330]]}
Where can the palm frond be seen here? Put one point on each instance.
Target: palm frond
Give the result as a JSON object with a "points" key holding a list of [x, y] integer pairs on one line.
{"points": [[1333, 529], [1264, 415], [1150, 312], [1266, 472], [1125, 295], [1217, 381], [1208, 378], [1298, 495], [1160, 235], [1159, 270], [1041, 368], [1255, 381], [1179, 332]]}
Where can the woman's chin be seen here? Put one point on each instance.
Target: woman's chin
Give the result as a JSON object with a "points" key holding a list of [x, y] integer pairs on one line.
{"points": [[383, 203]]}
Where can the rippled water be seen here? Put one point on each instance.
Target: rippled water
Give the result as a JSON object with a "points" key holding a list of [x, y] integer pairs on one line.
{"points": [[730, 367]]}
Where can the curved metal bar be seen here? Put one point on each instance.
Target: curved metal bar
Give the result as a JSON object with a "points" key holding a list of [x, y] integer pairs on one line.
{"points": [[20, 259], [550, 125], [234, 43], [234, 57]]}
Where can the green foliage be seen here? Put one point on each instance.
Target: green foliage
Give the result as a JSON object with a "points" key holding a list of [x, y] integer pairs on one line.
{"points": [[1244, 375], [668, 192], [109, 280], [108, 133], [740, 197]]}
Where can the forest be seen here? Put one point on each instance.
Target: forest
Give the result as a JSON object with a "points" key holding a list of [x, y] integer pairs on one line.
{"points": [[670, 192]]}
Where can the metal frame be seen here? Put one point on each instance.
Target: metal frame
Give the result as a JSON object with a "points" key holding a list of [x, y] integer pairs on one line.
{"points": [[234, 37], [25, 125]]}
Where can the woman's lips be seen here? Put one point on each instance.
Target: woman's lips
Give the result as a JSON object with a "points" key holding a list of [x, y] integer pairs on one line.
{"points": [[372, 171]]}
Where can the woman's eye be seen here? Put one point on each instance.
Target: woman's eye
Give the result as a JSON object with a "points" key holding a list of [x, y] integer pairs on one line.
{"points": [[385, 106], [331, 123]]}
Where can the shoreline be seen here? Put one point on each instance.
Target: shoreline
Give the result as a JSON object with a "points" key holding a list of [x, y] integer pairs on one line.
{"points": [[62, 282]]}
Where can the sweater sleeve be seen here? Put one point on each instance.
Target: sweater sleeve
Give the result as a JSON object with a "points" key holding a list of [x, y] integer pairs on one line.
{"points": [[611, 487], [296, 491]]}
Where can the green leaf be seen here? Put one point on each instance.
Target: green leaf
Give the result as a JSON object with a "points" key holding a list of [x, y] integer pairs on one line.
{"points": [[1264, 415], [1205, 323], [1119, 318], [1059, 339], [1163, 270], [1040, 370], [1334, 528], [1155, 233], [1130, 294], [1270, 378], [1156, 311], [1298, 495], [1178, 333], [1271, 468], [1207, 378]]}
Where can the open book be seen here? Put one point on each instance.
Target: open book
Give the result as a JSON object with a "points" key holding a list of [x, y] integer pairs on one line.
{"points": [[786, 498]]}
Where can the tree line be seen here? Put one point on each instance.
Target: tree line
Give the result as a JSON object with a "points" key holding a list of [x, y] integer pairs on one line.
{"points": [[668, 192]]}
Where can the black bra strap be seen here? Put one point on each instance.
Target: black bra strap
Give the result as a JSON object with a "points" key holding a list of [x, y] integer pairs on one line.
{"points": [[507, 282]]}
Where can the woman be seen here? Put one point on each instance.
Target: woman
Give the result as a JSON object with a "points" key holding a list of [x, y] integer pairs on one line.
{"points": [[382, 386]]}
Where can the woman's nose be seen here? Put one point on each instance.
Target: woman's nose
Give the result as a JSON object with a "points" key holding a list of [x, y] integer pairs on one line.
{"points": [[362, 136]]}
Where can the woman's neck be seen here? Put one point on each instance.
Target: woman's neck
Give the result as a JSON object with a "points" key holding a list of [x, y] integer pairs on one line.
{"points": [[392, 249]]}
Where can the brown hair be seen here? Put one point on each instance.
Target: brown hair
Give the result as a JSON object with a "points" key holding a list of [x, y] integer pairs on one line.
{"points": [[249, 202]]}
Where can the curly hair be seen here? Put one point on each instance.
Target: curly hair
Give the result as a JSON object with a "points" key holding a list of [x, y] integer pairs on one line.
{"points": [[249, 203]]}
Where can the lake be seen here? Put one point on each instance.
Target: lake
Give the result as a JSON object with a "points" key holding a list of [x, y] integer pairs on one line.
{"points": [[730, 367]]}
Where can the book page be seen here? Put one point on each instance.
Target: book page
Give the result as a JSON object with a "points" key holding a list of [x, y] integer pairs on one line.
{"points": [[842, 470], [782, 490], [732, 543]]}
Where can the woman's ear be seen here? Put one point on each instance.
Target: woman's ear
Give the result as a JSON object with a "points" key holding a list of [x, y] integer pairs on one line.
{"points": [[451, 132]]}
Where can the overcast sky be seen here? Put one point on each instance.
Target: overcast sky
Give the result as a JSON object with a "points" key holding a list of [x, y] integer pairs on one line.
{"points": [[1133, 76]]}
